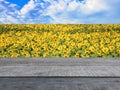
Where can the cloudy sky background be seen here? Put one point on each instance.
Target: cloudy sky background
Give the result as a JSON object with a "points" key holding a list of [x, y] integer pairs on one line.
{"points": [[60, 11]]}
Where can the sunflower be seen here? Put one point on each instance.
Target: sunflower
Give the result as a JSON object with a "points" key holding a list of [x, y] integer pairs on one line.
{"points": [[91, 48], [111, 48], [87, 52], [65, 55], [14, 55], [105, 49], [46, 54], [77, 55]]}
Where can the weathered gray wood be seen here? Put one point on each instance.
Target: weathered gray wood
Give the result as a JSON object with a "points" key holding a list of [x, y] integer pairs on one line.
{"points": [[60, 61], [59, 83], [60, 67]]}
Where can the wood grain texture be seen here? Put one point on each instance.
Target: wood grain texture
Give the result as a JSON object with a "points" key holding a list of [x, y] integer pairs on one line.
{"points": [[60, 67], [59, 83]]}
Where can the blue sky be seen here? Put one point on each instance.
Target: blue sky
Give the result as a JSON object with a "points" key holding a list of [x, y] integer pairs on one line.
{"points": [[20, 3], [60, 11]]}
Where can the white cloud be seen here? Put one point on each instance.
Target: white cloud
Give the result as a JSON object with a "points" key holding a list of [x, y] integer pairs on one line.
{"points": [[90, 6], [73, 5], [27, 8], [61, 11], [5, 18], [8, 11], [12, 5], [55, 8], [93, 6], [64, 8], [87, 11]]}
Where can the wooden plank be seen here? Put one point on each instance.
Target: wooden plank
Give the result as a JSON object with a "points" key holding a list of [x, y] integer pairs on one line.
{"points": [[60, 67], [59, 83]]}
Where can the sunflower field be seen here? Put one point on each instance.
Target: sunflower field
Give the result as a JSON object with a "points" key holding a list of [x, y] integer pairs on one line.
{"points": [[59, 40]]}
